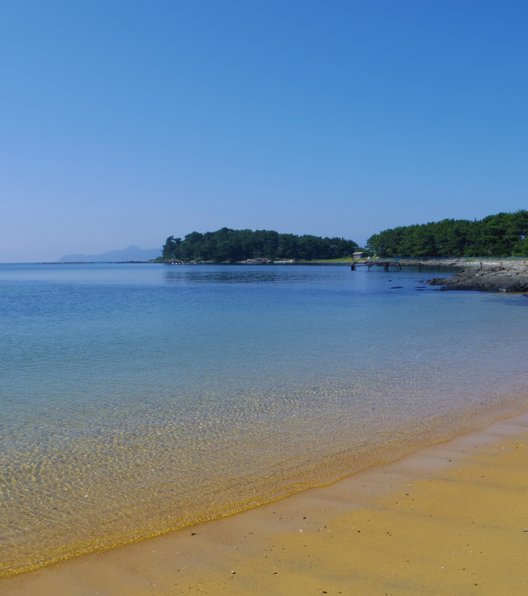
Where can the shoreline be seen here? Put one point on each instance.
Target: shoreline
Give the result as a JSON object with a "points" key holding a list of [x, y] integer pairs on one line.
{"points": [[322, 437], [306, 537], [401, 442], [511, 279]]}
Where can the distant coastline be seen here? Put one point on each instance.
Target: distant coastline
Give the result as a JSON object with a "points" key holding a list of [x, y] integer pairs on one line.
{"points": [[129, 254], [507, 275], [502, 235]]}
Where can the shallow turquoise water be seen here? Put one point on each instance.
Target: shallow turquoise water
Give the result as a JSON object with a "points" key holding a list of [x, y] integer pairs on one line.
{"points": [[140, 398]]}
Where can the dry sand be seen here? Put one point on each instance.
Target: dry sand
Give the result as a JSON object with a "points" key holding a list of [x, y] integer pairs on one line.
{"points": [[449, 519]]}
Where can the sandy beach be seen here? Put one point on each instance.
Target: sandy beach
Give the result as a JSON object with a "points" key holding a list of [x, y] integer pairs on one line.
{"points": [[448, 519], [263, 298]]}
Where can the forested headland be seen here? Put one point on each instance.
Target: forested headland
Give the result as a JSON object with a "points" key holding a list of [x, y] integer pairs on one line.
{"points": [[501, 235], [232, 246]]}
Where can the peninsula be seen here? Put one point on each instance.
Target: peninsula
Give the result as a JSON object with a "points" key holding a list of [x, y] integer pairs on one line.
{"points": [[232, 246]]}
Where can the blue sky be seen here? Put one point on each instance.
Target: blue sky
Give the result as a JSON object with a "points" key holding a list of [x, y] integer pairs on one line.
{"points": [[123, 122]]}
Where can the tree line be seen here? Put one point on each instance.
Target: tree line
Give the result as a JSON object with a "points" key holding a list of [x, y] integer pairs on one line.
{"points": [[230, 246], [503, 234]]}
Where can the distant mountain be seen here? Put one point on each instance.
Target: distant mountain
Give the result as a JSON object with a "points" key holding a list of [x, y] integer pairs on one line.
{"points": [[130, 253]]}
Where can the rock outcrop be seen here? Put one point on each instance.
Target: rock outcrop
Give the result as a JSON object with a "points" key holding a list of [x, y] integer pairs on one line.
{"points": [[495, 279]]}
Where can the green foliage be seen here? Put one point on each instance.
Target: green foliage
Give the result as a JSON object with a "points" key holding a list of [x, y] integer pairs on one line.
{"points": [[230, 246], [501, 235]]}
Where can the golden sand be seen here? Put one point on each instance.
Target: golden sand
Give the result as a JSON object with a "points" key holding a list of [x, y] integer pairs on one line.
{"points": [[449, 519]]}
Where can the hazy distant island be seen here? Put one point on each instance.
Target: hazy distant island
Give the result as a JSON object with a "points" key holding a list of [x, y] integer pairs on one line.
{"points": [[130, 253]]}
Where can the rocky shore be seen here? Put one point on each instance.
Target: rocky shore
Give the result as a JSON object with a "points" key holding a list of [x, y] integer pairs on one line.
{"points": [[510, 278]]}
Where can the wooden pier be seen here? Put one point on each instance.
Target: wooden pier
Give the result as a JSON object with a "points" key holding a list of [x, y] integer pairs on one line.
{"points": [[387, 265]]}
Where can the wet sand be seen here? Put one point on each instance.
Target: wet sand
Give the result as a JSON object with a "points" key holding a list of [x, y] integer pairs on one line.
{"points": [[449, 519]]}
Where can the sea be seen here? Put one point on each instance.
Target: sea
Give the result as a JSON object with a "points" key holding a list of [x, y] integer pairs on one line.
{"points": [[136, 399]]}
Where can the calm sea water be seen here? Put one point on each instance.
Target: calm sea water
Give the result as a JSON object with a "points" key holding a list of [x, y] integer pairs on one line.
{"points": [[136, 399]]}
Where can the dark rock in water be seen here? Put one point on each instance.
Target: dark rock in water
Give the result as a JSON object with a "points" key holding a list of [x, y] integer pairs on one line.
{"points": [[396, 287], [496, 279]]}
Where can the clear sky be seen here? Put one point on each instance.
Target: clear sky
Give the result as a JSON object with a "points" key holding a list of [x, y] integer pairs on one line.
{"points": [[125, 121]]}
